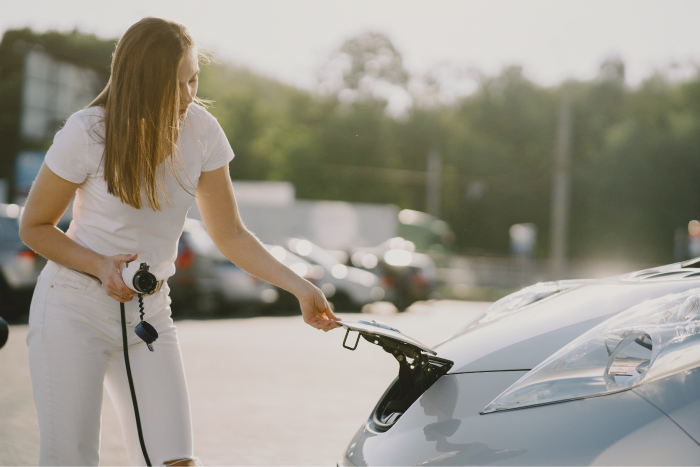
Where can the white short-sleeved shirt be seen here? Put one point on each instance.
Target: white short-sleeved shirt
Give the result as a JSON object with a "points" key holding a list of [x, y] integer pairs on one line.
{"points": [[102, 222]]}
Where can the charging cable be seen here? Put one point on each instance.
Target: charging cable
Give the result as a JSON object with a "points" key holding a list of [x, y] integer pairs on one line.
{"points": [[143, 282], [131, 385]]}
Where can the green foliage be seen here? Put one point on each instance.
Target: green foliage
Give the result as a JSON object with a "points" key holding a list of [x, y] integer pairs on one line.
{"points": [[82, 49], [636, 183], [635, 151], [364, 62], [503, 139]]}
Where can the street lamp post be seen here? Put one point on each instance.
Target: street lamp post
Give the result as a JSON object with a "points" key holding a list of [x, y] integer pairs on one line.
{"points": [[560, 191]]}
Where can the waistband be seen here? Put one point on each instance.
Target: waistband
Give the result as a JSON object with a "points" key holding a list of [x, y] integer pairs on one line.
{"points": [[56, 267]]}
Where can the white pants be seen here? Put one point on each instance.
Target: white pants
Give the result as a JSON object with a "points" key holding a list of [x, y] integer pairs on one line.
{"points": [[75, 347]]}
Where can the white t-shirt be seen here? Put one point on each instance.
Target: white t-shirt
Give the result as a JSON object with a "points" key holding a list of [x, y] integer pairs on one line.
{"points": [[101, 222]]}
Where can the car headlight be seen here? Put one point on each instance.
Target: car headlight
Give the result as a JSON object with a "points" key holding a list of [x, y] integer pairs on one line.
{"points": [[520, 299], [649, 341]]}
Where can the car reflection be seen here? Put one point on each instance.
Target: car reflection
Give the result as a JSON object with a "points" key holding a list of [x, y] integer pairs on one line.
{"points": [[469, 453]]}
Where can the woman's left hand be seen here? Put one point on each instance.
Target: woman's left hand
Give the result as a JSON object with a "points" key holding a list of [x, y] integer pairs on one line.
{"points": [[316, 311]]}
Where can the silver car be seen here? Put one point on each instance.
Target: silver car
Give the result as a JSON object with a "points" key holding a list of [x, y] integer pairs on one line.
{"points": [[348, 288], [600, 372]]}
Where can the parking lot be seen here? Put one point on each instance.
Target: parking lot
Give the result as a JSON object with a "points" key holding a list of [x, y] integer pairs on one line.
{"points": [[264, 390]]}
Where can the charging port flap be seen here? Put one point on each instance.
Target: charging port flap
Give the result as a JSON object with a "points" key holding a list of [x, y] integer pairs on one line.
{"points": [[382, 334], [419, 368]]}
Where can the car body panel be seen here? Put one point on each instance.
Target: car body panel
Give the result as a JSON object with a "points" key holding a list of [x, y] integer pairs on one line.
{"points": [[444, 427], [527, 337], [656, 423], [679, 398]]}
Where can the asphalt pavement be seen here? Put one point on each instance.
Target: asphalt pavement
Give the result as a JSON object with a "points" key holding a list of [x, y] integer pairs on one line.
{"points": [[264, 390]]}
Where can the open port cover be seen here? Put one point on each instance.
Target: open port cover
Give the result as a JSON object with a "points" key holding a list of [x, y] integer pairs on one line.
{"points": [[419, 368]]}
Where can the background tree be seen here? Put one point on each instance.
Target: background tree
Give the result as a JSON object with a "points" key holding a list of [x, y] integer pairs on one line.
{"points": [[635, 150], [364, 67]]}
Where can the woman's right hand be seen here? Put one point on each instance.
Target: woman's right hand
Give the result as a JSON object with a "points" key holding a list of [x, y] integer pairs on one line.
{"points": [[109, 273]]}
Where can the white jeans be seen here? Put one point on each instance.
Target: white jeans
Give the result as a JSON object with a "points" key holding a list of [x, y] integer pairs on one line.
{"points": [[75, 347]]}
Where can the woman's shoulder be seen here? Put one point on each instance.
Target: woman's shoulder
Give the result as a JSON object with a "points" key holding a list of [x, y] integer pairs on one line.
{"points": [[90, 120], [199, 116], [76, 150], [88, 116]]}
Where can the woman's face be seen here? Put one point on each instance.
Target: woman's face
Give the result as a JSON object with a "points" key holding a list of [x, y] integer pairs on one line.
{"points": [[187, 79]]}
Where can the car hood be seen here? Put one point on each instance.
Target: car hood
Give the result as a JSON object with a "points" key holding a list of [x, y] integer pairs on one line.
{"points": [[523, 339]]}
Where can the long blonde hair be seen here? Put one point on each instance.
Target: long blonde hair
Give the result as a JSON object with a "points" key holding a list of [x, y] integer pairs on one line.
{"points": [[142, 103]]}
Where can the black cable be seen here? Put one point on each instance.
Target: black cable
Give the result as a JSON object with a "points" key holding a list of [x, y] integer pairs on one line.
{"points": [[131, 387], [141, 312]]}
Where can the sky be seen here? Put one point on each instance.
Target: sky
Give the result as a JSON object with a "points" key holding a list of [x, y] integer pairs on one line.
{"points": [[291, 39]]}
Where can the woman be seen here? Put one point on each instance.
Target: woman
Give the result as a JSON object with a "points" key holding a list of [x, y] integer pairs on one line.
{"points": [[135, 158]]}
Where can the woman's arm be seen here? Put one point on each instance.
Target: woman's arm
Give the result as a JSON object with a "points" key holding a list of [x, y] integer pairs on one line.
{"points": [[217, 205], [48, 199]]}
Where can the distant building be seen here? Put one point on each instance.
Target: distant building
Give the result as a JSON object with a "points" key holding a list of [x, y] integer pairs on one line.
{"points": [[52, 90], [272, 212], [44, 78]]}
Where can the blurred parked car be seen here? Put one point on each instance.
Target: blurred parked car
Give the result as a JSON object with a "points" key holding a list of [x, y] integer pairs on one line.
{"points": [[205, 282], [594, 372], [406, 276], [19, 266], [348, 288], [4, 332], [287, 302]]}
